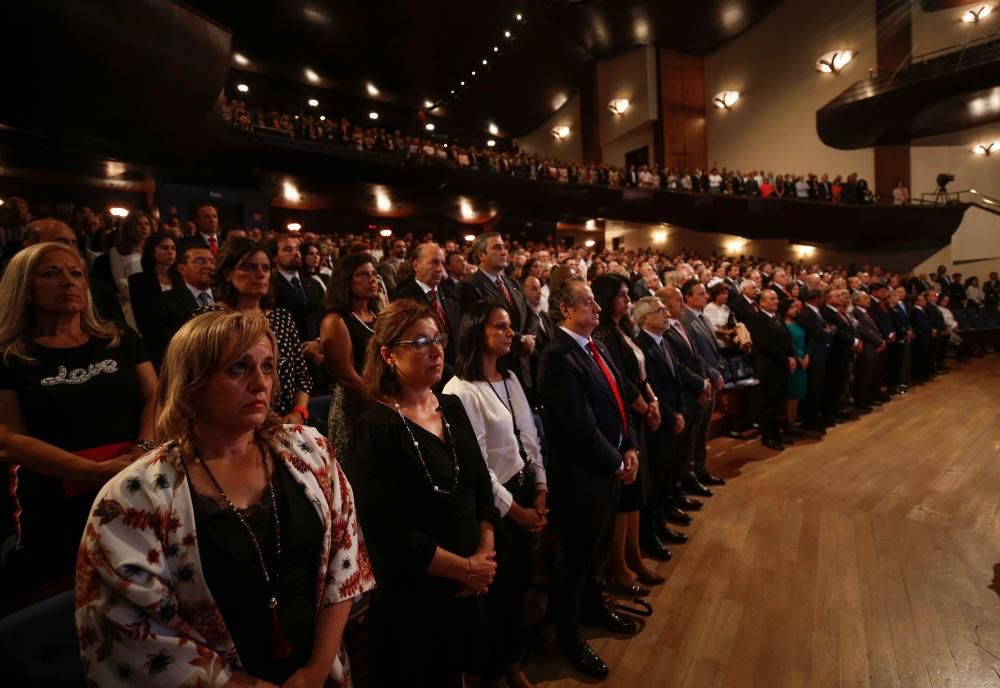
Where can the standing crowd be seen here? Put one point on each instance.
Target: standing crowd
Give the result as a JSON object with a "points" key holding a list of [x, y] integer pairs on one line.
{"points": [[226, 441]]}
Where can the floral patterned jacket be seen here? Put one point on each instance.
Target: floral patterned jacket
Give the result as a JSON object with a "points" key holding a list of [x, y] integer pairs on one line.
{"points": [[144, 615]]}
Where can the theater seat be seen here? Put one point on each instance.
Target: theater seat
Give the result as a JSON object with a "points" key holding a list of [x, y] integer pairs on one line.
{"points": [[38, 645], [319, 413]]}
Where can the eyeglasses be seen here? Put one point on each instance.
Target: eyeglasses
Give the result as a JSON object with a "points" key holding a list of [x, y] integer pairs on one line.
{"points": [[202, 261], [422, 344]]}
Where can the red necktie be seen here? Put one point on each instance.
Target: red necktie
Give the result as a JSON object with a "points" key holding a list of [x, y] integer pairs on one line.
{"points": [[611, 382], [213, 245], [436, 305], [680, 329], [503, 288]]}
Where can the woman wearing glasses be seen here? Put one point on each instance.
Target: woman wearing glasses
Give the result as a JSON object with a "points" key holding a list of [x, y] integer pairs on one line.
{"points": [[501, 417], [243, 283], [426, 506]]}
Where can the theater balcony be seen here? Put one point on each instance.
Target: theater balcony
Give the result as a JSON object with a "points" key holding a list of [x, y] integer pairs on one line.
{"points": [[948, 90]]}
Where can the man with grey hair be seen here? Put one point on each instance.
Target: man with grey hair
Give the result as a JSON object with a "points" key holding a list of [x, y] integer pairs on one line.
{"points": [[745, 305], [773, 360], [872, 345]]}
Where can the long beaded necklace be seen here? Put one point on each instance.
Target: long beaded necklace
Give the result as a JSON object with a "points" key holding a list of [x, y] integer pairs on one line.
{"points": [[363, 323], [278, 647], [529, 464], [449, 440]]}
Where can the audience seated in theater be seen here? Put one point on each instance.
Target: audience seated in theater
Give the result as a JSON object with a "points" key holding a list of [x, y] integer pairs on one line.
{"points": [[76, 405], [426, 505], [265, 554]]}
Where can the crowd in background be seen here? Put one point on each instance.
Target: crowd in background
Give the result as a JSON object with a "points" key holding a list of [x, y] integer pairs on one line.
{"points": [[426, 149], [450, 379]]}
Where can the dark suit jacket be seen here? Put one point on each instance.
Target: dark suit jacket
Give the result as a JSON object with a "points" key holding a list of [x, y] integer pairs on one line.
{"points": [[166, 314], [900, 321], [743, 311], [625, 361], [143, 288], [819, 336], [582, 464], [678, 392], [307, 316], [409, 289], [704, 342], [936, 317], [105, 299], [844, 335], [921, 325], [772, 346], [684, 355], [478, 287], [882, 318], [871, 338]]}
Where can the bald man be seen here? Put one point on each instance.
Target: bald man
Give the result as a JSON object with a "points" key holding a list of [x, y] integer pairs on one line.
{"points": [[102, 294]]}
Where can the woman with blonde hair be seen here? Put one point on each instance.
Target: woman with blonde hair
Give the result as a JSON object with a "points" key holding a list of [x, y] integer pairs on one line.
{"points": [[76, 405], [190, 571]]}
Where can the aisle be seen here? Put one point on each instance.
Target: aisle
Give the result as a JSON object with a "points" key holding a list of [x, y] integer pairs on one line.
{"points": [[871, 558]]}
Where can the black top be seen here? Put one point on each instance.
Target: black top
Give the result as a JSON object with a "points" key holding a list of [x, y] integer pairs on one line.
{"points": [[76, 398], [403, 519], [232, 572], [360, 335]]}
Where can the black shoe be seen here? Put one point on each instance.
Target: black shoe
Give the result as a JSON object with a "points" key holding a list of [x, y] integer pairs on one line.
{"points": [[604, 617], [783, 439], [793, 433], [675, 515], [668, 536], [653, 547], [773, 444], [582, 657], [709, 479], [696, 488], [625, 590], [687, 504]]}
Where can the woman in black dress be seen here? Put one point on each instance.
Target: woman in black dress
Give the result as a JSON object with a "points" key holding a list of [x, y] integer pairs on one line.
{"points": [[426, 507], [626, 571], [351, 306], [159, 254]]}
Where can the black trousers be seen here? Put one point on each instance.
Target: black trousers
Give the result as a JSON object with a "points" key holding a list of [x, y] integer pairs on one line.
{"points": [[878, 374], [773, 386], [894, 365], [864, 369], [665, 463], [584, 527], [696, 436], [812, 405], [837, 374]]}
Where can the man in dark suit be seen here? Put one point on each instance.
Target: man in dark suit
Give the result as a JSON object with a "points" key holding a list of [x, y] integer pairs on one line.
{"points": [[939, 347], [872, 344], [582, 389], [879, 312], [991, 291], [773, 360], [900, 368], [303, 298], [923, 335], [543, 329], [819, 335], [779, 284], [693, 319], [196, 266], [206, 222], [489, 283], [454, 267], [824, 189], [844, 345], [744, 306], [425, 286]]}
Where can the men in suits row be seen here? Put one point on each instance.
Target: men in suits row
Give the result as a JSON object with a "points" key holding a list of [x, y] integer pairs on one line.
{"points": [[773, 360], [872, 344]]}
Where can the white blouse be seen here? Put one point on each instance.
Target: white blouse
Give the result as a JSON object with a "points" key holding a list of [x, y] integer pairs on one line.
{"points": [[122, 267], [495, 432]]}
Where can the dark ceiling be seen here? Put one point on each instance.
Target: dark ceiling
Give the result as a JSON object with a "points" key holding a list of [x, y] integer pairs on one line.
{"points": [[417, 51]]}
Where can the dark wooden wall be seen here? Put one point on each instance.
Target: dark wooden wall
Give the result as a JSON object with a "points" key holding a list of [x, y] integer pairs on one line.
{"points": [[894, 42], [682, 140]]}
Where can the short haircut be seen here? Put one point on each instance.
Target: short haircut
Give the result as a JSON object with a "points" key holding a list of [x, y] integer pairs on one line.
{"points": [[747, 283], [644, 307], [565, 294], [479, 245], [469, 358], [687, 289], [717, 289], [187, 245], [447, 258]]}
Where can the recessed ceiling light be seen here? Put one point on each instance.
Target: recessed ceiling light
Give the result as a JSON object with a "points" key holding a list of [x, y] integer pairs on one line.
{"points": [[428, 105], [118, 212], [372, 89], [240, 60], [461, 83], [496, 49], [322, 118], [294, 226], [452, 91], [373, 115], [473, 72], [517, 16], [506, 34], [311, 75], [429, 126], [485, 62], [385, 232], [313, 102], [493, 129], [242, 88], [491, 143]]}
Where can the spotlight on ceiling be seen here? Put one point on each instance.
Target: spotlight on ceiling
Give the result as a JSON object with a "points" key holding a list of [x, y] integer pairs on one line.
{"points": [[589, 243], [496, 49], [311, 75], [382, 200], [834, 61], [241, 60], [118, 212], [506, 34], [371, 89], [290, 192], [724, 100], [294, 226], [385, 232], [372, 115], [429, 126], [313, 102], [452, 91], [470, 238], [242, 88], [973, 16], [485, 62], [428, 105], [493, 129], [561, 132], [491, 143], [619, 105], [518, 16], [461, 83], [473, 72], [986, 148]]}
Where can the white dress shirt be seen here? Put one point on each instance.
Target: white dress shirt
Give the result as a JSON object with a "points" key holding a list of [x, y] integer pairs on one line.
{"points": [[491, 421], [196, 293]]}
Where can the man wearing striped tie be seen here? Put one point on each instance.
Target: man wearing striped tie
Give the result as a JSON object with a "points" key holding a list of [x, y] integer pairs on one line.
{"points": [[424, 286]]}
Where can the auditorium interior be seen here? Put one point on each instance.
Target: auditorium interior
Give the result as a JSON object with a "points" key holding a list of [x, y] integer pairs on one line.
{"points": [[727, 271]]}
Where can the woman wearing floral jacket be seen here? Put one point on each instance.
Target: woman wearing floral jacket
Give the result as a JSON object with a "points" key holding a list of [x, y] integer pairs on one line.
{"points": [[190, 572]]}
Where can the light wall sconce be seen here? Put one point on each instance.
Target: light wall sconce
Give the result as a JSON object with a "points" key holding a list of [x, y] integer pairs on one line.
{"points": [[803, 251], [724, 100], [619, 106], [589, 243], [986, 148], [312, 102], [294, 226], [493, 129], [385, 232], [834, 61], [242, 88], [973, 16], [560, 133], [491, 143]]}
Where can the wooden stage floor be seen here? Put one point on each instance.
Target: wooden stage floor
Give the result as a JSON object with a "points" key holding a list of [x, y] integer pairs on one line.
{"points": [[871, 558]]}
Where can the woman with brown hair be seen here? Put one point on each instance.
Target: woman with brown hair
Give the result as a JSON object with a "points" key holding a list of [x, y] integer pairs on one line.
{"points": [[230, 555], [426, 504], [125, 257]]}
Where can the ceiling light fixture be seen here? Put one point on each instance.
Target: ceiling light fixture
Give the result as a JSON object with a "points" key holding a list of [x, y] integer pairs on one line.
{"points": [[428, 105], [560, 132], [311, 75], [470, 238], [517, 16], [322, 118], [485, 62], [473, 72], [382, 200], [986, 148], [452, 91], [372, 90], [506, 34], [429, 126], [242, 88], [372, 115], [589, 243], [313, 102], [461, 83], [973, 16], [294, 226], [491, 143], [493, 129], [724, 100], [290, 192], [240, 60], [118, 212], [385, 232], [834, 61], [466, 209], [496, 49], [619, 105]]}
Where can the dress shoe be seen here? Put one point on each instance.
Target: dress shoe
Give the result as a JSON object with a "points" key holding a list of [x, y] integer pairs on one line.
{"points": [[582, 657], [622, 588], [709, 479], [647, 577], [696, 488], [654, 548], [675, 515], [670, 537], [783, 439], [793, 433], [604, 617], [686, 503], [773, 444]]}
